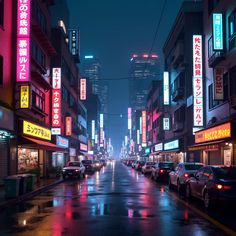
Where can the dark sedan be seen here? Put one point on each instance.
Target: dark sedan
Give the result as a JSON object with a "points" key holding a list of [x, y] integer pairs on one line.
{"points": [[161, 170], [213, 184], [89, 167]]}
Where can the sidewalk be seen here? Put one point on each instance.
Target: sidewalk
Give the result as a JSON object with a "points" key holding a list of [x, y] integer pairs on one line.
{"points": [[42, 186]]}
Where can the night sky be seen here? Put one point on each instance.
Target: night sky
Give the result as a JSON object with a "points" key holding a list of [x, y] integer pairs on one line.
{"points": [[114, 30]]}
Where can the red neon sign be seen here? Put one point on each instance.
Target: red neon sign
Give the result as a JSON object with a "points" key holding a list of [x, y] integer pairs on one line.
{"points": [[68, 126], [144, 127], [82, 89], [56, 108]]}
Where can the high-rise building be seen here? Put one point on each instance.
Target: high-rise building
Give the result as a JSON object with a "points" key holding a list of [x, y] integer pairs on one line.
{"points": [[143, 69], [91, 68]]}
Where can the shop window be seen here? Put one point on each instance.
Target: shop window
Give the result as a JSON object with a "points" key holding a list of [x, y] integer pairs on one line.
{"points": [[38, 99], [28, 159], [1, 12], [1, 70], [232, 30]]}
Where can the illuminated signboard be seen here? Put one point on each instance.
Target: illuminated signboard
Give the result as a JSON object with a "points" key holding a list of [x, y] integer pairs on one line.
{"points": [[217, 22], [62, 142], [101, 137], [166, 123], [171, 145], [101, 120], [126, 140], [144, 127], [96, 139], [148, 150], [36, 130], [56, 131], [197, 81], [56, 97], [82, 89], [158, 147], [166, 88], [129, 118], [215, 133], [140, 124], [24, 96], [23, 41], [83, 147], [56, 108], [93, 129], [74, 41], [138, 136], [218, 84], [68, 126]]}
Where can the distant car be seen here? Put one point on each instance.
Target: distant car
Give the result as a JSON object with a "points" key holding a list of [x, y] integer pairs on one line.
{"points": [[97, 165], [213, 184], [181, 173], [73, 169], [139, 165], [161, 170], [147, 168], [130, 162], [89, 167], [103, 162]]}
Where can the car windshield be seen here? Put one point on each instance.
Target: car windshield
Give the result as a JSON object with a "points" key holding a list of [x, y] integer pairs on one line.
{"points": [[225, 172], [150, 163], [166, 165], [193, 166], [74, 164], [87, 162]]}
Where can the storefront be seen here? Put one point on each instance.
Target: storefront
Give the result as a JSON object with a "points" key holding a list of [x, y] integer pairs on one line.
{"points": [[156, 150], [60, 158], [6, 134], [216, 145], [172, 151], [72, 154], [34, 148]]}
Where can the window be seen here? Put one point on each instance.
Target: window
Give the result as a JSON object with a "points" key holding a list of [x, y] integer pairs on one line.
{"points": [[232, 30], [232, 78], [1, 12], [38, 99], [1, 70], [38, 54], [211, 101]]}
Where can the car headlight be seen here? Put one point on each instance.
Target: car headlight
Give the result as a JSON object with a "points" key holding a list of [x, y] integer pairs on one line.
{"points": [[76, 170], [63, 170], [97, 164]]}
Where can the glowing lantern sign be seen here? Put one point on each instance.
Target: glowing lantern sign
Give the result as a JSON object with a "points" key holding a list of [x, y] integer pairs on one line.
{"points": [[56, 97], [23, 41], [197, 81], [82, 89]]}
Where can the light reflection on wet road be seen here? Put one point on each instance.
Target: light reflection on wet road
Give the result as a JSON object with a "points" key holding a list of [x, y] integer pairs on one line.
{"points": [[115, 201]]}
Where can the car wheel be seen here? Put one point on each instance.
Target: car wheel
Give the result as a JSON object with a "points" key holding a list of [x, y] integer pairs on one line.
{"points": [[188, 191], [207, 200]]}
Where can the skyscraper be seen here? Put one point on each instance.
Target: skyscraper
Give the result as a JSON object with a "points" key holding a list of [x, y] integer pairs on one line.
{"points": [[143, 69]]}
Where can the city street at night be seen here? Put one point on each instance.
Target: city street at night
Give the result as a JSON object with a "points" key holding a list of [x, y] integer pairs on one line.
{"points": [[115, 201]]}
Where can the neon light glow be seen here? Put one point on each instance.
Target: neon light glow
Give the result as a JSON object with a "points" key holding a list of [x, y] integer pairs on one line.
{"points": [[89, 57], [166, 88], [217, 31], [24, 96], [82, 89], [93, 129], [129, 118], [68, 126], [144, 127]]}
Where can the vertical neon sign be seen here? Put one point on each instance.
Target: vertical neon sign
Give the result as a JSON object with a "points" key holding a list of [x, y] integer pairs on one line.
{"points": [[129, 118], [144, 127], [166, 88], [23, 41], [217, 31]]}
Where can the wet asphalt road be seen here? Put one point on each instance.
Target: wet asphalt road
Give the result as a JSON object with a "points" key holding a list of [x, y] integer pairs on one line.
{"points": [[115, 201]]}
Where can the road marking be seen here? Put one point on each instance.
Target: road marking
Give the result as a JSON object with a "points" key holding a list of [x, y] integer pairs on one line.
{"points": [[205, 216]]}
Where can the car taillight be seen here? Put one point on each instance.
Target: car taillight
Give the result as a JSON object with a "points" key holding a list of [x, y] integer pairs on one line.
{"points": [[186, 175], [220, 186], [161, 171]]}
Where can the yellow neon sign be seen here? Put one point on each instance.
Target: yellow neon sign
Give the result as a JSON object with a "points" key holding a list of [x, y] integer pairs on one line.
{"points": [[24, 96], [36, 131]]}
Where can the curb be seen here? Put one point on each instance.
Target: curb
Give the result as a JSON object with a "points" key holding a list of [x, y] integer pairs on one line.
{"points": [[26, 196]]}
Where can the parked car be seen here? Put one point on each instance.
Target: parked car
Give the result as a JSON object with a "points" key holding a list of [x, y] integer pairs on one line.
{"points": [[147, 168], [213, 184], [181, 173], [130, 162], [89, 167], [139, 165], [161, 170], [73, 169], [103, 162]]}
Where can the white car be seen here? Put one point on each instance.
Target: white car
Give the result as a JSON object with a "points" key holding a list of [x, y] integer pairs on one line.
{"points": [[181, 173], [147, 168], [73, 169]]}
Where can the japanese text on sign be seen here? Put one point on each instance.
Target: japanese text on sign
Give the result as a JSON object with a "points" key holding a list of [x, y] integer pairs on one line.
{"points": [[56, 108], [218, 84], [144, 127], [56, 78], [36, 131], [197, 55], [24, 96], [217, 31], [82, 89], [68, 126]]}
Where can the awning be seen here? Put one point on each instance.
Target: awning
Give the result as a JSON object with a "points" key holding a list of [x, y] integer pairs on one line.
{"points": [[44, 145], [210, 146]]}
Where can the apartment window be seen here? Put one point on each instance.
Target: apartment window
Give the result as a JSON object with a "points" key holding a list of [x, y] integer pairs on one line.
{"points": [[38, 99], [1, 12], [1, 70], [38, 54], [212, 102], [232, 30]]}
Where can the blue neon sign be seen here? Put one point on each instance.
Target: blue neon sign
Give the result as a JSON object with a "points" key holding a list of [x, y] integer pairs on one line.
{"points": [[217, 31]]}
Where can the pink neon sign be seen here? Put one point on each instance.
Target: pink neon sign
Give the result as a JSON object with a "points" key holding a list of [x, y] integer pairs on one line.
{"points": [[23, 41]]}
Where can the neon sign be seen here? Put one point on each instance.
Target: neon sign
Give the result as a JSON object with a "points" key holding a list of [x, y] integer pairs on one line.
{"points": [[217, 31]]}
